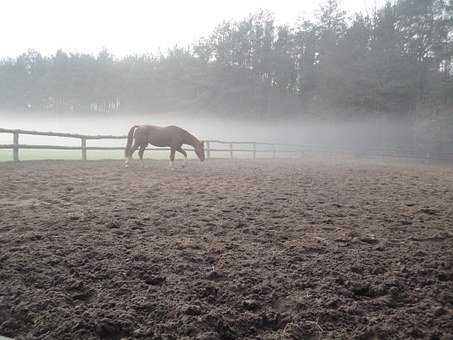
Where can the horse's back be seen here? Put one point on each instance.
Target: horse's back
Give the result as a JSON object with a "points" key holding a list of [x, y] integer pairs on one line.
{"points": [[175, 128], [170, 128], [161, 135]]}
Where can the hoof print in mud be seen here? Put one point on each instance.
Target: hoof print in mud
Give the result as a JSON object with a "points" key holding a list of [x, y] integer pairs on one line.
{"points": [[191, 310], [369, 240], [250, 304], [112, 329], [305, 330], [208, 336], [214, 275], [155, 280]]}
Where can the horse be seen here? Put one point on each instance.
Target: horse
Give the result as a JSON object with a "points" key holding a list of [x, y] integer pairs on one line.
{"points": [[169, 136]]}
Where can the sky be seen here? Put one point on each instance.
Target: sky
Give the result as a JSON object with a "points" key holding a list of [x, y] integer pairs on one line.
{"points": [[127, 27]]}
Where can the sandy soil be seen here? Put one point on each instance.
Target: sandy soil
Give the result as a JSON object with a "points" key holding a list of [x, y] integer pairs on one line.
{"points": [[293, 249]]}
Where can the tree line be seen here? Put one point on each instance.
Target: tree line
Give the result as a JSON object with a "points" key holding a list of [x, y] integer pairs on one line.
{"points": [[396, 60]]}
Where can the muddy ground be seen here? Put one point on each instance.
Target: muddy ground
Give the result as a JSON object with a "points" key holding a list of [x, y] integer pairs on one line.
{"points": [[290, 249]]}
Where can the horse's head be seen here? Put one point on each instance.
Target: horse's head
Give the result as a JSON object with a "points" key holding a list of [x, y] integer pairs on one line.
{"points": [[199, 150]]}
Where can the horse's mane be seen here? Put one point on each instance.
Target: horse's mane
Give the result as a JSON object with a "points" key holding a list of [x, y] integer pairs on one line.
{"points": [[191, 138]]}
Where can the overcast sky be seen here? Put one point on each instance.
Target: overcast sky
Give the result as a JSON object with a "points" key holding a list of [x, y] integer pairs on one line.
{"points": [[132, 26]]}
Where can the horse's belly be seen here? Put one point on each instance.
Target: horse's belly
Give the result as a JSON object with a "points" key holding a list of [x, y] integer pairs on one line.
{"points": [[159, 142]]}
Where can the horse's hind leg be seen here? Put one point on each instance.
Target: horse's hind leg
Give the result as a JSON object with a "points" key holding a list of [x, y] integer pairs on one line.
{"points": [[131, 152], [140, 154]]}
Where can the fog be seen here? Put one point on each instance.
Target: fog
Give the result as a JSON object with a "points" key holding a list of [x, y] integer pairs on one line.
{"points": [[352, 135]]}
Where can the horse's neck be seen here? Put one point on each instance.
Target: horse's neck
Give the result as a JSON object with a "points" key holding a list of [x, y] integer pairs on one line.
{"points": [[191, 140]]}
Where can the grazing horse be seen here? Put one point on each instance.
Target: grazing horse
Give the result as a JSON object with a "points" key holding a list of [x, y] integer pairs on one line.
{"points": [[169, 136]]}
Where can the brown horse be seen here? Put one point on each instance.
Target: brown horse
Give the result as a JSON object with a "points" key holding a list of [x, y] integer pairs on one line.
{"points": [[170, 136]]}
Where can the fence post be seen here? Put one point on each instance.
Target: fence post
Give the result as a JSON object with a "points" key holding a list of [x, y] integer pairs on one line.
{"points": [[254, 150], [16, 146], [231, 150], [273, 151], [84, 148], [208, 150]]}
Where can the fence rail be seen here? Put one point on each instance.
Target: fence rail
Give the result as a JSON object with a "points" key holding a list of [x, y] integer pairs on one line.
{"points": [[232, 147]]}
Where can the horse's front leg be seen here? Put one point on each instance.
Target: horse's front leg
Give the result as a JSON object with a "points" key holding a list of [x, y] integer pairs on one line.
{"points": [[172, 157], [181, 151]]}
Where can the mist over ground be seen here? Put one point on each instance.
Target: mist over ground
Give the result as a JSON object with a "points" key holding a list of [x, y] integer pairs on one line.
{"points": [[354, 134]]}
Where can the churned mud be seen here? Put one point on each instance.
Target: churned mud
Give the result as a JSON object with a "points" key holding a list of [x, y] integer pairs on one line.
{"points": [[289, 249]]}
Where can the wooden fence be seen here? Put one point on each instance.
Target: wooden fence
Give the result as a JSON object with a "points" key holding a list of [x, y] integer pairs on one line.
{"points": [[229, 147]]}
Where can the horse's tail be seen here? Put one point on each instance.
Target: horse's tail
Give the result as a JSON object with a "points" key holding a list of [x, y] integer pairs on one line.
{"points": [[130, 137]]}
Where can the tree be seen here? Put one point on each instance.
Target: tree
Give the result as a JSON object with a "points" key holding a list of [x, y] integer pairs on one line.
{"points": [[394, 61]]}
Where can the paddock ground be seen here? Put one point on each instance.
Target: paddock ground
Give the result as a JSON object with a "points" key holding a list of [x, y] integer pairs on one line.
{"points": [[309, 248]]}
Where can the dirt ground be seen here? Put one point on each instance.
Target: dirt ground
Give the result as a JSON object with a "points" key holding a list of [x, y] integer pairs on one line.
{"points": [[288, 249]]}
